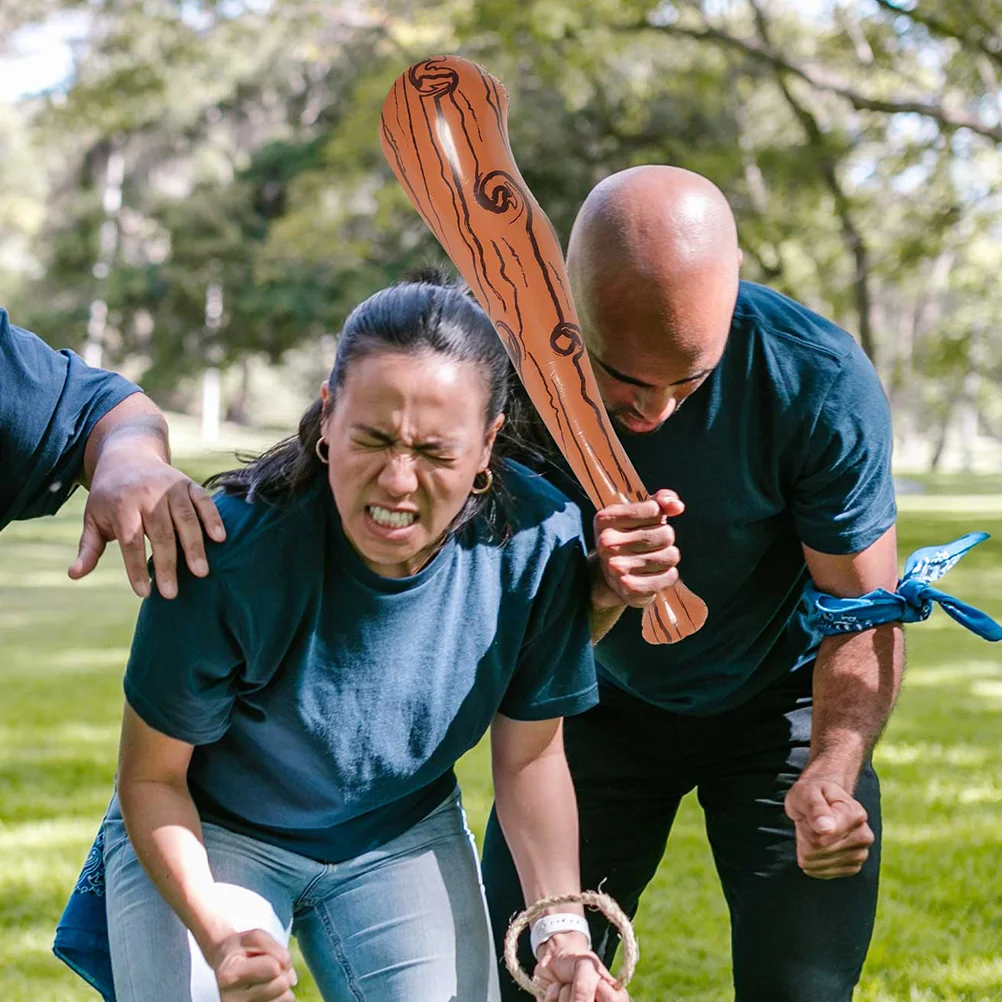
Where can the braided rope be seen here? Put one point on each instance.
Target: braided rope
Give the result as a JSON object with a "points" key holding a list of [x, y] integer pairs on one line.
{"points": [[590, 899]]}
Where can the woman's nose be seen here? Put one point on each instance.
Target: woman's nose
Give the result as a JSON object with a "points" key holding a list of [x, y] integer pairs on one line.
{"points": [[398, 476]]}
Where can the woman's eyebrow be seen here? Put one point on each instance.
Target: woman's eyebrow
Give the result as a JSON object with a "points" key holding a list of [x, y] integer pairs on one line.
{"points": [[366, 429], [382, 436]]}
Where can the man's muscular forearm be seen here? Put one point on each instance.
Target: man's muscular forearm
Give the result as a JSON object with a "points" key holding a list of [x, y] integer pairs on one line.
{"points": [[135, 423], [856, 681]]}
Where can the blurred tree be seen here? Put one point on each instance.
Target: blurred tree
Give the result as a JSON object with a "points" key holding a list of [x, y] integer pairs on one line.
{"points": [[217, 108], [856, 139], [23, 193], [857, 144], [16, 14]]}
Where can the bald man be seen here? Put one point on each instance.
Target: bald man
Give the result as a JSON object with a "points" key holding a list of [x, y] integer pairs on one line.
{"points": [[771, 425]]}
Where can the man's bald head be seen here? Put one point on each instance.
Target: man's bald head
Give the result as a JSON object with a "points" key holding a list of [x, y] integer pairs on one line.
{"points": [[653, 261]]}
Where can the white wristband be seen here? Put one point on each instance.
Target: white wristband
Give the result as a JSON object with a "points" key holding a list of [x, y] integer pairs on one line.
{"points": [[549, 925]]}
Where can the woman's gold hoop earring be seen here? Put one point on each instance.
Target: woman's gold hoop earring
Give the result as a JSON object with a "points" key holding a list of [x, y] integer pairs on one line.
{"points": [[489, 477], [324, 457]]}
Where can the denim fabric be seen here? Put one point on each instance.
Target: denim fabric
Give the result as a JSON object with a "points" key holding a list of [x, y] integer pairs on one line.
{"points": [[405, 921]]}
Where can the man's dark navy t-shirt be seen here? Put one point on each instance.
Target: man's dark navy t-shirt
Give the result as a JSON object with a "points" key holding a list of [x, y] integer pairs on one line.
{"points": [[50, 402], [787, 442], [328, 704]]}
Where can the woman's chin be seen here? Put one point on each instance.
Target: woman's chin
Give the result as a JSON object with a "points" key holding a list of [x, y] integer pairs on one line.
{"points": [[392, 551]]}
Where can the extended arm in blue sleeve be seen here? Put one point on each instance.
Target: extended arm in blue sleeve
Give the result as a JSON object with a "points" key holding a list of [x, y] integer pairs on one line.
{"points": [[50, 402]]}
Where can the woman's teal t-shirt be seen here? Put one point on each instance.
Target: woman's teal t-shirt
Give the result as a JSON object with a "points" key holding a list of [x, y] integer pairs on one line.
{"points": [[329, 704]]}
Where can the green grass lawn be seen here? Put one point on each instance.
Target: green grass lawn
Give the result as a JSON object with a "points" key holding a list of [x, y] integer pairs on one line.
{"points": [[939, 928]]}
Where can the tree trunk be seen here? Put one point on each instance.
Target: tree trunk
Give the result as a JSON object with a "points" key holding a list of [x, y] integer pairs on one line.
{"points": [[828, 162], [940, 446], [237, 410]]}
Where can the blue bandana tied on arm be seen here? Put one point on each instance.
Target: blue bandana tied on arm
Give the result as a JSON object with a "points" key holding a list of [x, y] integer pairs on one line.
{"points": [[913, 600]]}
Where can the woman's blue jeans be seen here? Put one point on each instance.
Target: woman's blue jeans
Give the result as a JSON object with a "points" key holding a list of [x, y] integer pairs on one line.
{"points": [[406, 921]]}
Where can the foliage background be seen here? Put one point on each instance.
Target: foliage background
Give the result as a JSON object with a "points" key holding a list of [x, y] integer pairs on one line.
{"points": [[857, 140]]}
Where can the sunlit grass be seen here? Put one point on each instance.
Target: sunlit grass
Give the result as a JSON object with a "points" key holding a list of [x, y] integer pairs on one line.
{"points": [[939, 928]]}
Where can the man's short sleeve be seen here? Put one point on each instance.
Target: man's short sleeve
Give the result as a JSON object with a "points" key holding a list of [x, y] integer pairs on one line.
{"points": [[50, 402], [555, 676], [186, 657], [843, 500]]}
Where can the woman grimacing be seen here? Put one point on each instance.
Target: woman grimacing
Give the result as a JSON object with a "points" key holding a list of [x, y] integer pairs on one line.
{"points": [[390, 588]]}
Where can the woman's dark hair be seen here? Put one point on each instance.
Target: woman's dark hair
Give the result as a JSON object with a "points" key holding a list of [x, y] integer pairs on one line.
{"points": [[424, 312]]}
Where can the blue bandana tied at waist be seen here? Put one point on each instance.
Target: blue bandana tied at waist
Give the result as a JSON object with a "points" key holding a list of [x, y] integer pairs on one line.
{"points": [[913, 600]]}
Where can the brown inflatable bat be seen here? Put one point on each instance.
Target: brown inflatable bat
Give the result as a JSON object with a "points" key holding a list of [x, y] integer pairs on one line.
{"points": [[444, 131]]}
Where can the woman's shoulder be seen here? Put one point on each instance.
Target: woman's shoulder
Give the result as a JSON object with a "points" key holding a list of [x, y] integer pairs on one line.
{"points": [[256, 526], [539, 508]]}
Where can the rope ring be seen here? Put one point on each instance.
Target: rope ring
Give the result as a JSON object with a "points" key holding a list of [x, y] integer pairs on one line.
{"points": [[590, 899]]}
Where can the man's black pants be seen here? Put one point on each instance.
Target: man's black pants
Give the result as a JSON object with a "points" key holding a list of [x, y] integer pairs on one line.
{"points": [[794, 938]]}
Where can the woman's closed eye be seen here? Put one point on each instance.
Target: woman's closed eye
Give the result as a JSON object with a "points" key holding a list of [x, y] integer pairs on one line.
{"points": [[372, 438], [374, 441], [440, 457], [371, 443]]}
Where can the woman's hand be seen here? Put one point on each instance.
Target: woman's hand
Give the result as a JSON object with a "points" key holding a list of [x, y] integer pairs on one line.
{"points": [[535, 805], [571, 972], [253, 967]]}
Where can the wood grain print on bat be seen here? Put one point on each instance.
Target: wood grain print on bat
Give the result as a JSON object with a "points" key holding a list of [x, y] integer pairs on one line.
{"points": [[444, 131]]}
